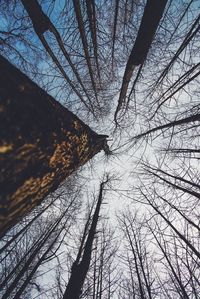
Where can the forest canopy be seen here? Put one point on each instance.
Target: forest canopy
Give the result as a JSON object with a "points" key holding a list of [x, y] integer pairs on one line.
{"points": [[99, 149]]}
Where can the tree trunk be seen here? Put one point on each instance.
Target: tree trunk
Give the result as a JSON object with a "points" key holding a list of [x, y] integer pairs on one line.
{"points": [[79, 18], [80, 268], [152, 15], [41, 22], [41, 143], [150, 21]]}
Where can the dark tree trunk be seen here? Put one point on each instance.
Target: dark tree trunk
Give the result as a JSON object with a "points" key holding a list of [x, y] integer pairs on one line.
{"points": [[114, 30], [41, 143], [91, 13], [79, 18], [152, 14], [79, 269], [41, 22]]}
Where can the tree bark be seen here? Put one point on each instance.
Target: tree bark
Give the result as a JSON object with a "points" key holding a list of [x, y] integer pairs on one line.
{"points": [[41, 143]]}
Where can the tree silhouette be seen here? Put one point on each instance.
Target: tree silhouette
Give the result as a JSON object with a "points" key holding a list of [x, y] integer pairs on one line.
{"points": [[81, 265]]}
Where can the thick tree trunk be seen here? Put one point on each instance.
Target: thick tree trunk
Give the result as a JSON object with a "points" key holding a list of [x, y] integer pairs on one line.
{"points": [[41, 22], [41, 143], [152, 15]]}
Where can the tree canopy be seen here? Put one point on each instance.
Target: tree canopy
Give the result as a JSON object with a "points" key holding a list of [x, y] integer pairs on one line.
{"points": [[99, 149]]}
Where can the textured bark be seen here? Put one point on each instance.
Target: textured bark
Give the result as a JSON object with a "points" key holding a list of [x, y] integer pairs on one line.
{"points": [[41, 144]]}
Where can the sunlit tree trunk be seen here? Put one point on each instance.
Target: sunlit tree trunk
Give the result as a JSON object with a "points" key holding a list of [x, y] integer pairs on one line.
{"points": [[41, 144]]}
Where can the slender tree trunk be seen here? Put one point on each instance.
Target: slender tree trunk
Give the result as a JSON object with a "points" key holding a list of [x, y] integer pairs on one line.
{"points": [[90, 4], [30, 256], [141, 259], [181, 87], [24, 229], [180, 235], [114, 30], [80, 269], [163, 249], [41, 144], [141, 288], [79, 18], [41, 24], [152, 14], [179, 22], [193, 31], [39, 263]]}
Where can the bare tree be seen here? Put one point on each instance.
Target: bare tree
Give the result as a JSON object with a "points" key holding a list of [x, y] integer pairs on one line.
{"points": [[77, 52], [136, 256], [41, 24], [43, 240], [77, 9], [152, 14], [81, 265]]}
